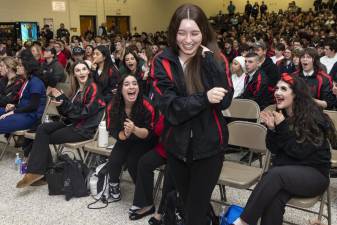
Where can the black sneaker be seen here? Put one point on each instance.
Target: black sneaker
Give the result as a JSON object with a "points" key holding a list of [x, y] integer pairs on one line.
{"points": [[114, 192]]}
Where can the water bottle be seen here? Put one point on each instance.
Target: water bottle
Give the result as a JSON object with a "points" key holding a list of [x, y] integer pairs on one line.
{"points": [[23, 168], [103, 135], [47, 119], [17, 162]]}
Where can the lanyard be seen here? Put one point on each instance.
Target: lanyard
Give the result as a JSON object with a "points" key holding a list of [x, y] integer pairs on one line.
{"points": [[77, 92], [22, 89]]}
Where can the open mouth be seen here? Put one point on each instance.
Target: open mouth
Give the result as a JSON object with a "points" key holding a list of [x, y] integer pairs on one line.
{"points": [[132, 95], [131, 65], [279, 100], [188, 46]]}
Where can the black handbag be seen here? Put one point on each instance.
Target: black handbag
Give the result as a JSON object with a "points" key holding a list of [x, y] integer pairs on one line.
{"points": [[55, 178]]}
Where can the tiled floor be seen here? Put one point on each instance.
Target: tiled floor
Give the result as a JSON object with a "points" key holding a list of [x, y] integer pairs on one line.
{"points": [[34, 206]]}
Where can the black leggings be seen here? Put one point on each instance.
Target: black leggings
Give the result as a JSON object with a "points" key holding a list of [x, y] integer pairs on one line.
{"points": [[144, 186], [276, 187], [49, 133], [195, 182], [129, 153]]}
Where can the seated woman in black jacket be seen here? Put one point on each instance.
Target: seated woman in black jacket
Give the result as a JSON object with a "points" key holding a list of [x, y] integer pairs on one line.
{"points": [[9, 94], [298, 137], [83, 113], [130, 120]]}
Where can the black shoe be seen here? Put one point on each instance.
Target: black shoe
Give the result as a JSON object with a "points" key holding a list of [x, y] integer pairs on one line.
{"points": [[136, 216], [154, 221], [114, 193]]}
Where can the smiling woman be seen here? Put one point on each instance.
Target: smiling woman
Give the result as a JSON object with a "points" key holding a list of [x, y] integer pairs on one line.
{"points": [[298, 137], [192, 83], [130, 120], [81, 115]]}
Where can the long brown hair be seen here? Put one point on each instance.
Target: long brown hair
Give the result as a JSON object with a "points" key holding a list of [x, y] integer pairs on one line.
{"points": [[192, 73], [309, 121]]}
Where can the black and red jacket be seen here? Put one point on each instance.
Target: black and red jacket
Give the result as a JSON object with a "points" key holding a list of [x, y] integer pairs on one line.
{"points": [[287, 150], [11, 93], [256, 89], [271, 70], [84, 111], [107, 83], [146, 118], [158, 131], [194, 128], [320, 86]]}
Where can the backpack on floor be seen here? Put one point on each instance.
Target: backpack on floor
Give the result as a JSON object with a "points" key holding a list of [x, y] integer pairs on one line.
{"points": [[99, 186], [67, 176], [75, 174]]}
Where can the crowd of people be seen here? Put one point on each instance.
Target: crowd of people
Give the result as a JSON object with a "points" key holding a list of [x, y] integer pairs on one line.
{"points": [[163, 95]]}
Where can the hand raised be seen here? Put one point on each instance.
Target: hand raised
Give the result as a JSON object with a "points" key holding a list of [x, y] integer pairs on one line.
{"points": [[216, 94]]}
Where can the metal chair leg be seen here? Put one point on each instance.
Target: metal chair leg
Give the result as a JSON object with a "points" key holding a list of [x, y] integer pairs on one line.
{"points": [[328, 198], [4, 150], [158, 183], [321, 207]]}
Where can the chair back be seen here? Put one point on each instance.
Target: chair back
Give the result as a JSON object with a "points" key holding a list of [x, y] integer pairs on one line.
{"points": [[244, 109], [248, 135], [251, 136], [50, 109]]}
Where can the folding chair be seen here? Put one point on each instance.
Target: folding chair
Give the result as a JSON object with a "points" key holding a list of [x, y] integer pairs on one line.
{"points": [[92, 147], [79, 146], [234, 174], [50, 110], [304, 204], [20, 133], [333, 117], [243, 109]]}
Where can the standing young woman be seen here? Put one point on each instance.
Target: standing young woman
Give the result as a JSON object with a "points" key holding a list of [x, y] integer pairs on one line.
{"points": [[298, 137], [32, 97], [193, 86], [82, 114], [10, 93], [105, 72], [130, 120]]}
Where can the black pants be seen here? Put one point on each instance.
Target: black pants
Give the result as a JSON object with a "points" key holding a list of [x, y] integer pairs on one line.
{"points": [[275, 189], [195, 182], [144, 185], [127, 153], [49, 133]]}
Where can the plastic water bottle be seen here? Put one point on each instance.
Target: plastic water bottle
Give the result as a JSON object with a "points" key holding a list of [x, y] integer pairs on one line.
{"points": [[103, 135], [47, 119], [17, 162]]}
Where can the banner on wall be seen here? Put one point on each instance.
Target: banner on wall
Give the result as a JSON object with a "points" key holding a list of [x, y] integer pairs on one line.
{"points": [[58, 6]]}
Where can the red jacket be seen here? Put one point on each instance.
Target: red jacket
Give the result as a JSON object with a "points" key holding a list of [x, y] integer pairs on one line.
{"points": [[158, 130], [62, 59]]}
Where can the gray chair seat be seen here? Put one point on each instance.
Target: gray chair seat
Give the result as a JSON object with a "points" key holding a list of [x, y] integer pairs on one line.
{"points": [[238, 175], [304, 202]]}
